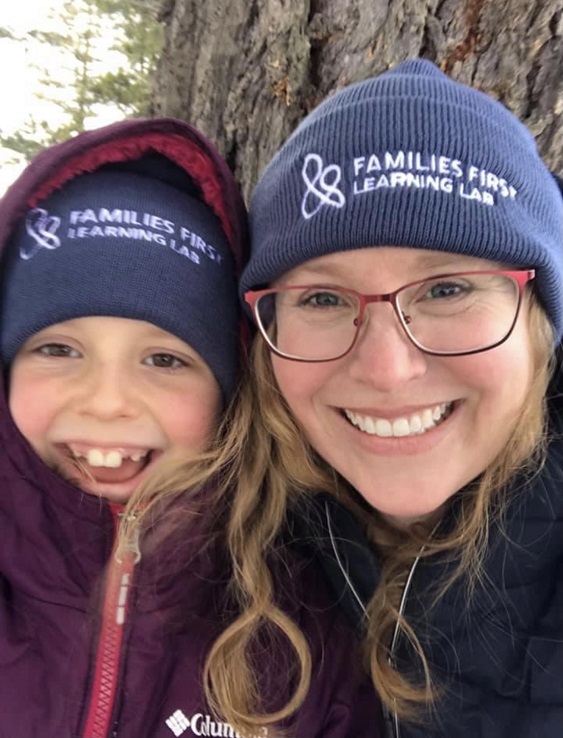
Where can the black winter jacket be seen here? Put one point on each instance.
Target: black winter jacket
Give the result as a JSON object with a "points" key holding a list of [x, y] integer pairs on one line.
{"points": [[498, 656]]}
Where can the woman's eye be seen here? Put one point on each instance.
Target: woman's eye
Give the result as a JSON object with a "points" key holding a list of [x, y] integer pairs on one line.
{"points": [[323, 300], [445, 289], [165, 361], [58, 350]]}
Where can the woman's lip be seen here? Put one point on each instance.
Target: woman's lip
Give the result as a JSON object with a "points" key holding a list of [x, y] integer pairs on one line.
{"points": [[402, 445]]}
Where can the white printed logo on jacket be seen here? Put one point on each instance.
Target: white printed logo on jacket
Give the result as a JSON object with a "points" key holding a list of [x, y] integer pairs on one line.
{"points": [[204, 725]]}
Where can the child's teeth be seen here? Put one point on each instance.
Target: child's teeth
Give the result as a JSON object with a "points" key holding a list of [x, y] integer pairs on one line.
{"points": [[113, 459], [96, 457]]}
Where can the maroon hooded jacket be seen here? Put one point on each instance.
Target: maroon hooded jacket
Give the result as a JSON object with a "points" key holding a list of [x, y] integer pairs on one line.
{"points": [[92, 646]]}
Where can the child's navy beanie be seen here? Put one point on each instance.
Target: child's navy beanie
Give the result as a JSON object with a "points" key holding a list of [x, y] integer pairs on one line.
{"points": [[121, 244], [410, 158]]}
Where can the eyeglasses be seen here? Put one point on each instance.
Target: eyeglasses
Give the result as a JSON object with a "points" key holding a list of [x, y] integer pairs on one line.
{"points": [[445, 315]]}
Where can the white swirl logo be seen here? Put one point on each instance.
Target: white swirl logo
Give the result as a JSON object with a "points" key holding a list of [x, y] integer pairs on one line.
{"points": [[321, 183], [42, 228]]}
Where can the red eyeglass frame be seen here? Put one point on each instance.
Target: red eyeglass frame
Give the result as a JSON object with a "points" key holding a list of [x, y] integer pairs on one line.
{"points": [[521, 276]]}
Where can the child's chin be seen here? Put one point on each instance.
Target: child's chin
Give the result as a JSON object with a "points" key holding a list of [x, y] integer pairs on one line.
{"points": [[118, 492]]}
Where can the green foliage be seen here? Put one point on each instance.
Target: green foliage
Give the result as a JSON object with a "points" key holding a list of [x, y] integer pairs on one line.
{"points": [[103, 54], [23, 142], [141, 38]]}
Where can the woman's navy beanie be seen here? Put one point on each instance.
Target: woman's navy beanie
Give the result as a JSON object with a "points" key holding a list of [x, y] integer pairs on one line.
{"points": [[410, 158]]}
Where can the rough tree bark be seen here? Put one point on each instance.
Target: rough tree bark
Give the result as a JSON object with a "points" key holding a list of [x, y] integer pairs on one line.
{"points": [[247, 71]]}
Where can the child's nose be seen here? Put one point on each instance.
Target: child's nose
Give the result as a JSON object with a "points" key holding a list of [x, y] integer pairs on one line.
{"points": [[384, 356], [108, 393]]}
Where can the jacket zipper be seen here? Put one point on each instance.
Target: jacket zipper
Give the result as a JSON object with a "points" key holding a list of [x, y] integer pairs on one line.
{"points": [[107, 662], [392, 725]]}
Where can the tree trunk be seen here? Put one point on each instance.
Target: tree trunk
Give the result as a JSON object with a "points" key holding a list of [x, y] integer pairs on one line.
{"points": [[246, 71]]}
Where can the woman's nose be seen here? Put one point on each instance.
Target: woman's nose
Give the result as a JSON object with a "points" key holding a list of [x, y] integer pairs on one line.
{"points": [[384, 355]]}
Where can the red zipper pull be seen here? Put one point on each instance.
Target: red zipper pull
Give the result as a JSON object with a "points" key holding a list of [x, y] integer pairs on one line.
{"points": [[125, 554]]}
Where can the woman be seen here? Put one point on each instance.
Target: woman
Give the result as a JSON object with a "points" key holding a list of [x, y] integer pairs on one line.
{"points": [[406, 278]]}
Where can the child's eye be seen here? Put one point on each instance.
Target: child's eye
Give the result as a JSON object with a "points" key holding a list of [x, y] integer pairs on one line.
{"points": [[165, 361], [58, 350]]}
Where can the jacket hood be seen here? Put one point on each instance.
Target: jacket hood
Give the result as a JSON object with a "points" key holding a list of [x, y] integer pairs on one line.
{"points": [[170, 151], [177, 148], [126, 142]]}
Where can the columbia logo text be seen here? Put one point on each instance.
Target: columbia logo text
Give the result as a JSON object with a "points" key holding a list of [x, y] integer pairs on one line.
{"points": [[204, 725]]}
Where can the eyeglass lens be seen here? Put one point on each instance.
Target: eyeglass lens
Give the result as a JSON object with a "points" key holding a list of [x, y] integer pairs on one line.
{"points": [[453, 314]]}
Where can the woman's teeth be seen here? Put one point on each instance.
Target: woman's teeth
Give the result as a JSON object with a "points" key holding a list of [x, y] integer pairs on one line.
{"points": [[111, 459], [413, 425]]}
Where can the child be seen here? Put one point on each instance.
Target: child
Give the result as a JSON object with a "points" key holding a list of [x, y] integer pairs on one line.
{"points": [[121, 339]]}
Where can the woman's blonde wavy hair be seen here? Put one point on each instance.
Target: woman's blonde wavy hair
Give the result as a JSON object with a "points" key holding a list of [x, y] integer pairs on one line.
{"points": [[265, 465]]}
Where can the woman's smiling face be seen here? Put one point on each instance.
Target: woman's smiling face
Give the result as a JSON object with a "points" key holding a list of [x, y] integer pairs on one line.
{"points": [[450, 415]]}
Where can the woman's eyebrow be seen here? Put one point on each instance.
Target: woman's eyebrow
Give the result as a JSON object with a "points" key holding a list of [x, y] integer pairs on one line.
{"points": [[311, 273], [443, 262], [438, 261]]}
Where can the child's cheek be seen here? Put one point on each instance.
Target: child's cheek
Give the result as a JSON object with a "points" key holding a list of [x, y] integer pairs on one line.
{"points": [[32, 406]]}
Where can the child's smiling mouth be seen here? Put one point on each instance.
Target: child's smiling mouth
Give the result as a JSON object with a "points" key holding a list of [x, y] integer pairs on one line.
{"points": [[108, 465]]}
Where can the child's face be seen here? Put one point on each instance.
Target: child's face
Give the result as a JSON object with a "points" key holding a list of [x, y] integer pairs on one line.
{"points": [[100, 399]]}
